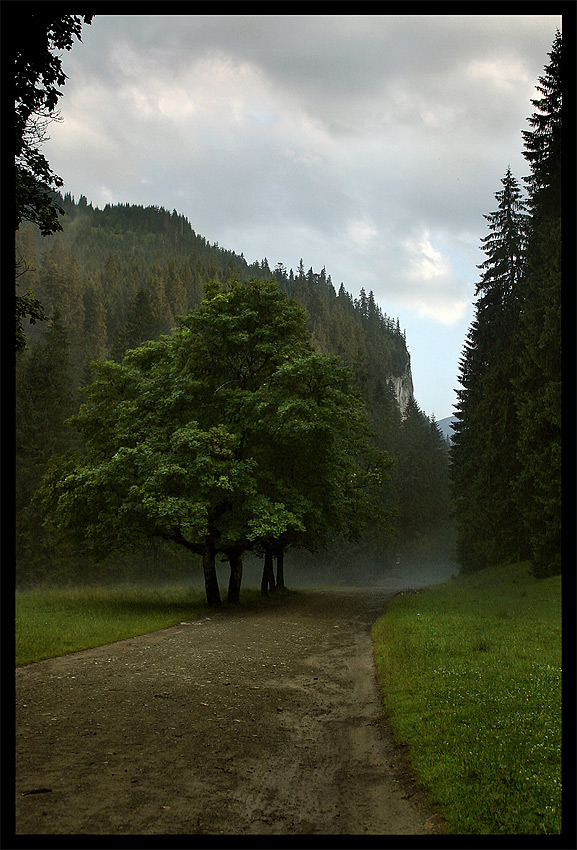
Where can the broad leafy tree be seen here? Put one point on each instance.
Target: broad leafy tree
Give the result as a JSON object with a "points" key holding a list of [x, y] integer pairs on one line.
{"points": [[126, 254], [317, 455], [181, 439], [39, 38]]}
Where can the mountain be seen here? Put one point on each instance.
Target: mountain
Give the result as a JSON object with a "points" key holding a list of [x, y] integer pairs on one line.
{"points": [[445, 426], [122, 274], [116, 277]]}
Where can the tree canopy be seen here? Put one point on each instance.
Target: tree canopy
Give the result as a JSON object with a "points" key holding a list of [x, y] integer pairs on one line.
{"points": [[538, 383], [38, 76], [506, 458], [484, 454], [230, 434], [37, 79]]}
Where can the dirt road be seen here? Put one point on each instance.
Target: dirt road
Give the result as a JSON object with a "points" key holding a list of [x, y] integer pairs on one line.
{"points": [[245, 722]]}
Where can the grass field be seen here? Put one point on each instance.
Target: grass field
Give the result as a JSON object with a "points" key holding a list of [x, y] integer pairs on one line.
{"points": [[470, 673], [52, 622]]}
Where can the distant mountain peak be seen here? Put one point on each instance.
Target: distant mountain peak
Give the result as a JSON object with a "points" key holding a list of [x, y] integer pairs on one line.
{"points": [[445, 426]]}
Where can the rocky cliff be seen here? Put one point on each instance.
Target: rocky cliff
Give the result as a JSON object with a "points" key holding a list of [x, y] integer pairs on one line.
{"points": [[403, 386]]}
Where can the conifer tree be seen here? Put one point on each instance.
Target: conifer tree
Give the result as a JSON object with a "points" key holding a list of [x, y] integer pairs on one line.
{"points": [[60, 288], [141, 325], [44, 400], [175, 291], [421, 477], [26, 271], [486, 432], [538, 388], [112, 290], [159, 303], [95, 335]]}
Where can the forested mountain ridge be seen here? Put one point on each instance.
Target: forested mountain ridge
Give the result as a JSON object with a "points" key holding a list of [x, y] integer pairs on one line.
{"points": [[117, 277], [153, 267]]}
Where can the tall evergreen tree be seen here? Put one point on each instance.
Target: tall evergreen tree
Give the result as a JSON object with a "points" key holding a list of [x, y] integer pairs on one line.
{"points": [[112, 289], [161, 311], [60, 287], [538, 387], [175, 291], [26, 272], [484, 459], [95, 335], [141, 325], [44, 400], [421, 477]]}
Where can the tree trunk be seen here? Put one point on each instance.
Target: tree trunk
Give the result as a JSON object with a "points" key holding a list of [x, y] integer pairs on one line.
{"points": [[268, 582], [210, 578], [235, 560], [155, 556], [280, 570]]}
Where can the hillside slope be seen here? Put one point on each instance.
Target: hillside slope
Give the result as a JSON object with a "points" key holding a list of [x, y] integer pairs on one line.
{"points": [[116, 277]]}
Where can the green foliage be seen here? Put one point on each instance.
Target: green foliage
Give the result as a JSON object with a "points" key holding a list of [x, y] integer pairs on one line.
{"points": [[506, 457], [470, 673], [484, 454], [179, 439], [123, 274], [27, 306], [44, 400], [422, 477], [538, 385], [37, 39], [310, 429]]}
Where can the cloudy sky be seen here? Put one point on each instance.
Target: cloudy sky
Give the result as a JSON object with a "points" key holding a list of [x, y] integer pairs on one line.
{"points": [[371, 145]]}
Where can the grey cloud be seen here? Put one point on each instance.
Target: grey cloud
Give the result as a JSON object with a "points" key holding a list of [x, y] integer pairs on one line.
{"points": [[327, 54], [348, 140]]}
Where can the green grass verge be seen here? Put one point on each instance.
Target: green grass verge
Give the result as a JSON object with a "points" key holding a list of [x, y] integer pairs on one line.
{"points": [[57, 621], [470, 673], [52, 622]]}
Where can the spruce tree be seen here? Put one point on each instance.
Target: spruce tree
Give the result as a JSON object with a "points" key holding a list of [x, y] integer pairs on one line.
{"points": [[484, 452], [44, 400], [421, 479], [538, 387], [60, 288], [163, 318], [95, 336], [141, 325]]}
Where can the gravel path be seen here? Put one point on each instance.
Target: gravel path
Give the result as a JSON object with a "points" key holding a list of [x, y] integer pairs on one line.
{"points": [[265, 721]]}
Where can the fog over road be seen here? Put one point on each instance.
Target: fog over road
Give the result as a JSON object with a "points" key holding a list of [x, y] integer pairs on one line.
{"points": [[259, 721]]}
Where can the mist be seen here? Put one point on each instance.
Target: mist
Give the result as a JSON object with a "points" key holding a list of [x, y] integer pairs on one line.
{"points": [[401, 568], [394, 567]]}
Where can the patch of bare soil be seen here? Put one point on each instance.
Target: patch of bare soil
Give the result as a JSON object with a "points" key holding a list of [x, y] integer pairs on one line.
{"points": [[263, 721]]}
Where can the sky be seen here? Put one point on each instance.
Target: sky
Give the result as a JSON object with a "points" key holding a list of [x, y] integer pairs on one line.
{"points": [[370, 145]]}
